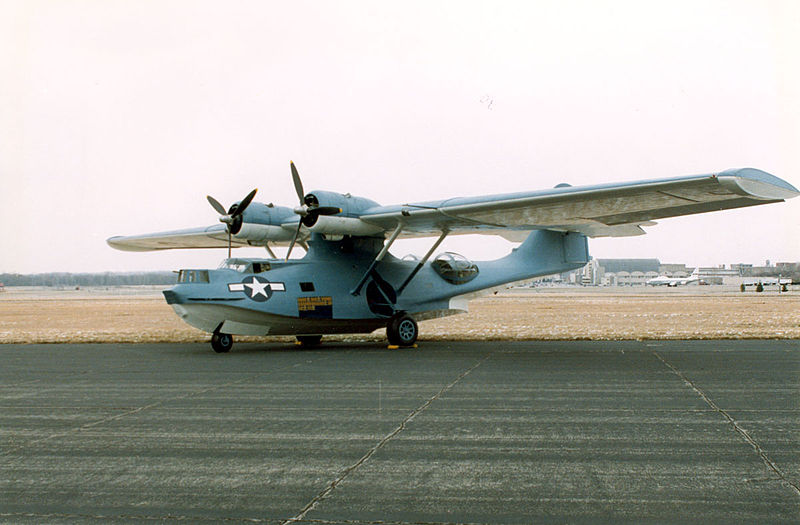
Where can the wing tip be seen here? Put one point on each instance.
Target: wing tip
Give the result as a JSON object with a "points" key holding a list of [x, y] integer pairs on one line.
{"points": [[119, 243], [757, 184]]}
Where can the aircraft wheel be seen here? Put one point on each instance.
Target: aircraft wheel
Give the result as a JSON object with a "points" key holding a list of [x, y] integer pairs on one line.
{"points": [[309, 340], [402, 330], [221, 343]]}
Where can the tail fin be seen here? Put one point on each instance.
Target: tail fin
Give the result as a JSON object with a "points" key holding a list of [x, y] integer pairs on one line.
{"points": [[555, 247]]}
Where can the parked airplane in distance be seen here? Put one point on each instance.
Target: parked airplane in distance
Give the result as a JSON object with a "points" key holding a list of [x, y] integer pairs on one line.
{"points": [[663, 280], [348, 282]]}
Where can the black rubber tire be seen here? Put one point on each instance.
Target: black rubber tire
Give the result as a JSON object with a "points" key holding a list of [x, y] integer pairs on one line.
{"points": [[221, 343], [309, 340], [402, 330]]}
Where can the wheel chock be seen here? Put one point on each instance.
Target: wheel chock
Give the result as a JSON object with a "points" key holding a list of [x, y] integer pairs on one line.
{"points": [[395, 347]]}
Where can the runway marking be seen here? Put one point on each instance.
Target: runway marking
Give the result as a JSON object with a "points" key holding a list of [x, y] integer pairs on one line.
{"points": [[349, 470], [152, 405], [742, 432]]}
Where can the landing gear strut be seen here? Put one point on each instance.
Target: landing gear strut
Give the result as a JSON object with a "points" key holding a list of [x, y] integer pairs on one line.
{"points": [[221, 343], [402, 330]]}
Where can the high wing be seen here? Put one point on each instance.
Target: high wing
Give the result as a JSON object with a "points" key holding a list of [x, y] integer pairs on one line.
{"points": [[204, 237], [614, 210]]}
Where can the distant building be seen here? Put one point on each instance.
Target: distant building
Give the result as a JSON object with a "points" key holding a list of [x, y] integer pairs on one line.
{"points": [[717, 271], [742, 268], [629, 265], [674, 270], [591, 274], [636, 272], [628, 272]]}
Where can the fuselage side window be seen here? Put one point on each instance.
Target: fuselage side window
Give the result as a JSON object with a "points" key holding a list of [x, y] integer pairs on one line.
{"points": [[259, 267], [454, 268]]}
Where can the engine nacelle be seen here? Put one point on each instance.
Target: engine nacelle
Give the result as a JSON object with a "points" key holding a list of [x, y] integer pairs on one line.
{"points": [[351, 206], [261, 233], [338, 225], [344, 223]]}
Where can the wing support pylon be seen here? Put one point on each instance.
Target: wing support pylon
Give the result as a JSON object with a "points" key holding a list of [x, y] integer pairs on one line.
{"points": [[422, 262], [378, 258]]}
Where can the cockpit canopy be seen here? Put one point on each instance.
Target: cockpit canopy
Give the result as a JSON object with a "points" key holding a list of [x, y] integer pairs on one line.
{"points": [[454, 268], [246, 265]]}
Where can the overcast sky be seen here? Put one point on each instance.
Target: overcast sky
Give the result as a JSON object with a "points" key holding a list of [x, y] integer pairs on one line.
{"points": [[118, 118]]}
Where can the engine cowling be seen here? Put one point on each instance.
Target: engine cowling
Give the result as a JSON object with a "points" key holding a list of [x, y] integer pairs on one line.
{"points": [[336, 225], [344, 223], [262, 233], [262, 223]]}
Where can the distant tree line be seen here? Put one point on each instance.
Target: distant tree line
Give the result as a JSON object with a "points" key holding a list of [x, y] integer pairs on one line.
{"points": [[88, 279]]}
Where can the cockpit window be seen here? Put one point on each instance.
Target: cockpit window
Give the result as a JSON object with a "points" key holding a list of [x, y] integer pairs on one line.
{"points": [[193, 276], [454, 268], [234, 264], [259, 267], [245, 265]]}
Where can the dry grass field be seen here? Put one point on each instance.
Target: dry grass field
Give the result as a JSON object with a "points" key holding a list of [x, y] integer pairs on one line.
{"points": [[136, 316]]}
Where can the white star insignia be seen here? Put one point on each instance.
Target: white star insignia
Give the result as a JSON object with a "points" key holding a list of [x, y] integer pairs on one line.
{"points": [[257, 287]]}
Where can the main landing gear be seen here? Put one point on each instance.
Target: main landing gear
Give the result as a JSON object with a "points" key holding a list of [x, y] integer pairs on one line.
{"points": [[402, 330], [221, 343]]}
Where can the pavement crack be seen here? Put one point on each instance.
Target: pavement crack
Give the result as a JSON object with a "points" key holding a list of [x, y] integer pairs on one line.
{"points": [[742, 432], [391, 435]]}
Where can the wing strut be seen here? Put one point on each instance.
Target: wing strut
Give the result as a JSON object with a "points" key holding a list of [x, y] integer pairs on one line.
{"points": [[378, 258], [423, 261]]}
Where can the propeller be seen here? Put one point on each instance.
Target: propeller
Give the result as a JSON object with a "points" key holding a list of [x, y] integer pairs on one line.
{"points": [[233, 217], [309, 208]]}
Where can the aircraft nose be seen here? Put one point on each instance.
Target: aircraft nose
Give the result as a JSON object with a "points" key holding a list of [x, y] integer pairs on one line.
{"points": [[171, 297]]}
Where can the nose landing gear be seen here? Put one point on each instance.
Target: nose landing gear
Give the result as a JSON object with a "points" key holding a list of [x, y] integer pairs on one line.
{"points": [[402, 330], [221, 343]]}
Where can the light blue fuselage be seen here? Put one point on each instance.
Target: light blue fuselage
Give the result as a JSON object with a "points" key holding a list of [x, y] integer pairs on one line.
{"points": [[315, 294]]}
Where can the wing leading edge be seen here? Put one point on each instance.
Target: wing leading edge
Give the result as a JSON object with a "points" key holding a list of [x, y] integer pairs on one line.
{"points": [[615, 210], [208, 237]]}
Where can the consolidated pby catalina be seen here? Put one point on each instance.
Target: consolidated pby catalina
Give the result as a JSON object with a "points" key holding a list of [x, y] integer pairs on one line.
{"points": [[348, 282]]}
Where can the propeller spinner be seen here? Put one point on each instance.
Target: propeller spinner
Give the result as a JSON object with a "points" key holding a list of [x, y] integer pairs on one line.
{"points": [[233, 217], [309, 208]]}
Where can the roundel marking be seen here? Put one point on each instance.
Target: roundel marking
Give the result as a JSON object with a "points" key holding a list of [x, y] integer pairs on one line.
{"points": [[257, 288]]}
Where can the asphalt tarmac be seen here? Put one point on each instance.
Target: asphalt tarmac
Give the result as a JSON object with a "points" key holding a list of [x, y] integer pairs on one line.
{"points": [[480, 432]]}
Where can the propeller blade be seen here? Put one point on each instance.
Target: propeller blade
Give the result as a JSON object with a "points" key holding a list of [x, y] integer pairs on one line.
{"points": [[298, 185], [296, 233], [216, 205], [229, 243], [245, 203]]}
